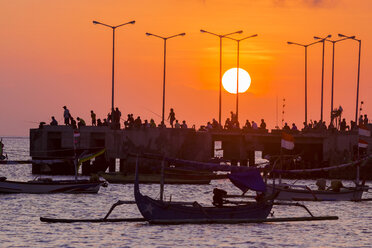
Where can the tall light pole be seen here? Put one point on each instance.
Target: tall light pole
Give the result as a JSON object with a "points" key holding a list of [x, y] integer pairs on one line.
{"points": [[113, 54], [237, 73], [220, 36], [322, 88], [165, 50], [357, 93], [305, 46], [333, 66]]}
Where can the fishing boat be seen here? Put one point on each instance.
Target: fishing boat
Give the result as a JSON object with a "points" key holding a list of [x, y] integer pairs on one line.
{"points": [[159, 211], [335, 192], [292, 192], [48, 186]]}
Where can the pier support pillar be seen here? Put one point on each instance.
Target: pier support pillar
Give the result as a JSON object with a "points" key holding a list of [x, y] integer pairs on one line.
{"points": [[122, 165], [112, 164], [251, 158]]}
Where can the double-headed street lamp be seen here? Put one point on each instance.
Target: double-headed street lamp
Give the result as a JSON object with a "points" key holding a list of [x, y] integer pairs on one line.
{"points": [[333, 66], [237, 72], [165, 49], [321, 98], [357, 93], [220, 36], [305, 46], [113, 53]]}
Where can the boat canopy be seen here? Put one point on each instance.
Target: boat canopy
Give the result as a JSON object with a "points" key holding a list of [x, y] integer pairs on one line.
{"points": [[248, 180]]}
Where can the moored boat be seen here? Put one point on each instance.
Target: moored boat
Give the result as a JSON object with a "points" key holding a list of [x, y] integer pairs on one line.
{"points": [[48, 186]]}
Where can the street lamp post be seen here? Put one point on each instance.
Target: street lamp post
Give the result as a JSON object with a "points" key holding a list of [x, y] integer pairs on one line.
{"points": [[113, 54], [220, 36], [237, 72], [165, 50], [322, 89], [333, 66], [305, 46], [357, 93]]}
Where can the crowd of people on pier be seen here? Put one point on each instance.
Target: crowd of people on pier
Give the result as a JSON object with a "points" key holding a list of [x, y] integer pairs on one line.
{"points": [[113, 120]]}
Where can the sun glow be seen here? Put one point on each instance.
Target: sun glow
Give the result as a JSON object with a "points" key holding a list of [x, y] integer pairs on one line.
{"points": [[229, 80]]}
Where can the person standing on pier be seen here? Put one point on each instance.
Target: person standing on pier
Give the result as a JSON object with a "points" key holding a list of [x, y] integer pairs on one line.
{"points": [[171, 117], [93, 116], [66, 115]]}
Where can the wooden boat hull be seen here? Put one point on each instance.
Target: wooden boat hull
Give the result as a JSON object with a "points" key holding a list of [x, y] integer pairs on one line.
{"points": [[156, 211], [291, 194], [149, 179], [38, 187]]}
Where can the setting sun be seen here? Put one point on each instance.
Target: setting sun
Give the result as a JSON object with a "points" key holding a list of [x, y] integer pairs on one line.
{"points": [[229, 80]]}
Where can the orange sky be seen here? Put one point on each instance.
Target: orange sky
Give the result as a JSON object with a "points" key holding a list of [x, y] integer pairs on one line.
{"points": [[52, 55]]}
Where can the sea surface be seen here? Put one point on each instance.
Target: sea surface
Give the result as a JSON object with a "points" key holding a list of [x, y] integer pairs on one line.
{"points": [[21, 227]]}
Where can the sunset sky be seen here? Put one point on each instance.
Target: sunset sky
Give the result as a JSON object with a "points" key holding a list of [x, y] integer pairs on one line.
{"points": [[52, 55]]}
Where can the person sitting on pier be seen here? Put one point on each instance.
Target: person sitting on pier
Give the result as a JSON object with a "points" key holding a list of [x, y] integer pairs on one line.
{"points": [[247, 126], [360, 121], [152, 123], [138, 122], [215, 124], [254, 125], [286, 127], [294, 127], [146, 124], [105, 123], [66, 115], [177, 124], [93, 116], [365, 121], [228, 124], [73, 123], [184, 125], [99, 123], [54, 122], [263, 124]]}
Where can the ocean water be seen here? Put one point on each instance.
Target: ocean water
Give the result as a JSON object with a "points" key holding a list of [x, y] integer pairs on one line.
{"points": [[21, 227]]}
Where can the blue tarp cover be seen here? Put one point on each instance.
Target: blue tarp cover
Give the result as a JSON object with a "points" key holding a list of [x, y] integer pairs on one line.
{"points": [[248, 180]]}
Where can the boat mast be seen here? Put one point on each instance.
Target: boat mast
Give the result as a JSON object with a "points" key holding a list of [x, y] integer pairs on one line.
{"points": [[162, 180]]}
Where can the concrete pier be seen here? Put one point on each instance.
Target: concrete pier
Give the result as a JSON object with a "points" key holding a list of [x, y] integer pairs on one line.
{"points": [[317, 149]]}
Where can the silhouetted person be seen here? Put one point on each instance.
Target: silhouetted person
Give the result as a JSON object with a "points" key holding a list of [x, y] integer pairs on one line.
{"points": [[105, 123], [171, 117], [294, 127], [99, 123], [53, 122], [93, 116], [146, 124], [73, 123], [162, 125], [177, 125], [360, 121], [215, 124], [66, 115], [286, 127], [81, 122], [138, 122], [184, 125], [254, 125], [365, 121], [263, 124], [152, 123]]}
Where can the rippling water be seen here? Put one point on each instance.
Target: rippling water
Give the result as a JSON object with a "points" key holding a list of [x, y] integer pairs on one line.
{"points": [[21, 227]]}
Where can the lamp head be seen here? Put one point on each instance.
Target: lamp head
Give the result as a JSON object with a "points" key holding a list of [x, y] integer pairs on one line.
{"points": [[202, 31], [95, 22], [317, 38], [148, 34], [352, 37], [329, 36], [289, 43], [182, 34], [341, 35], [239, 32]]}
